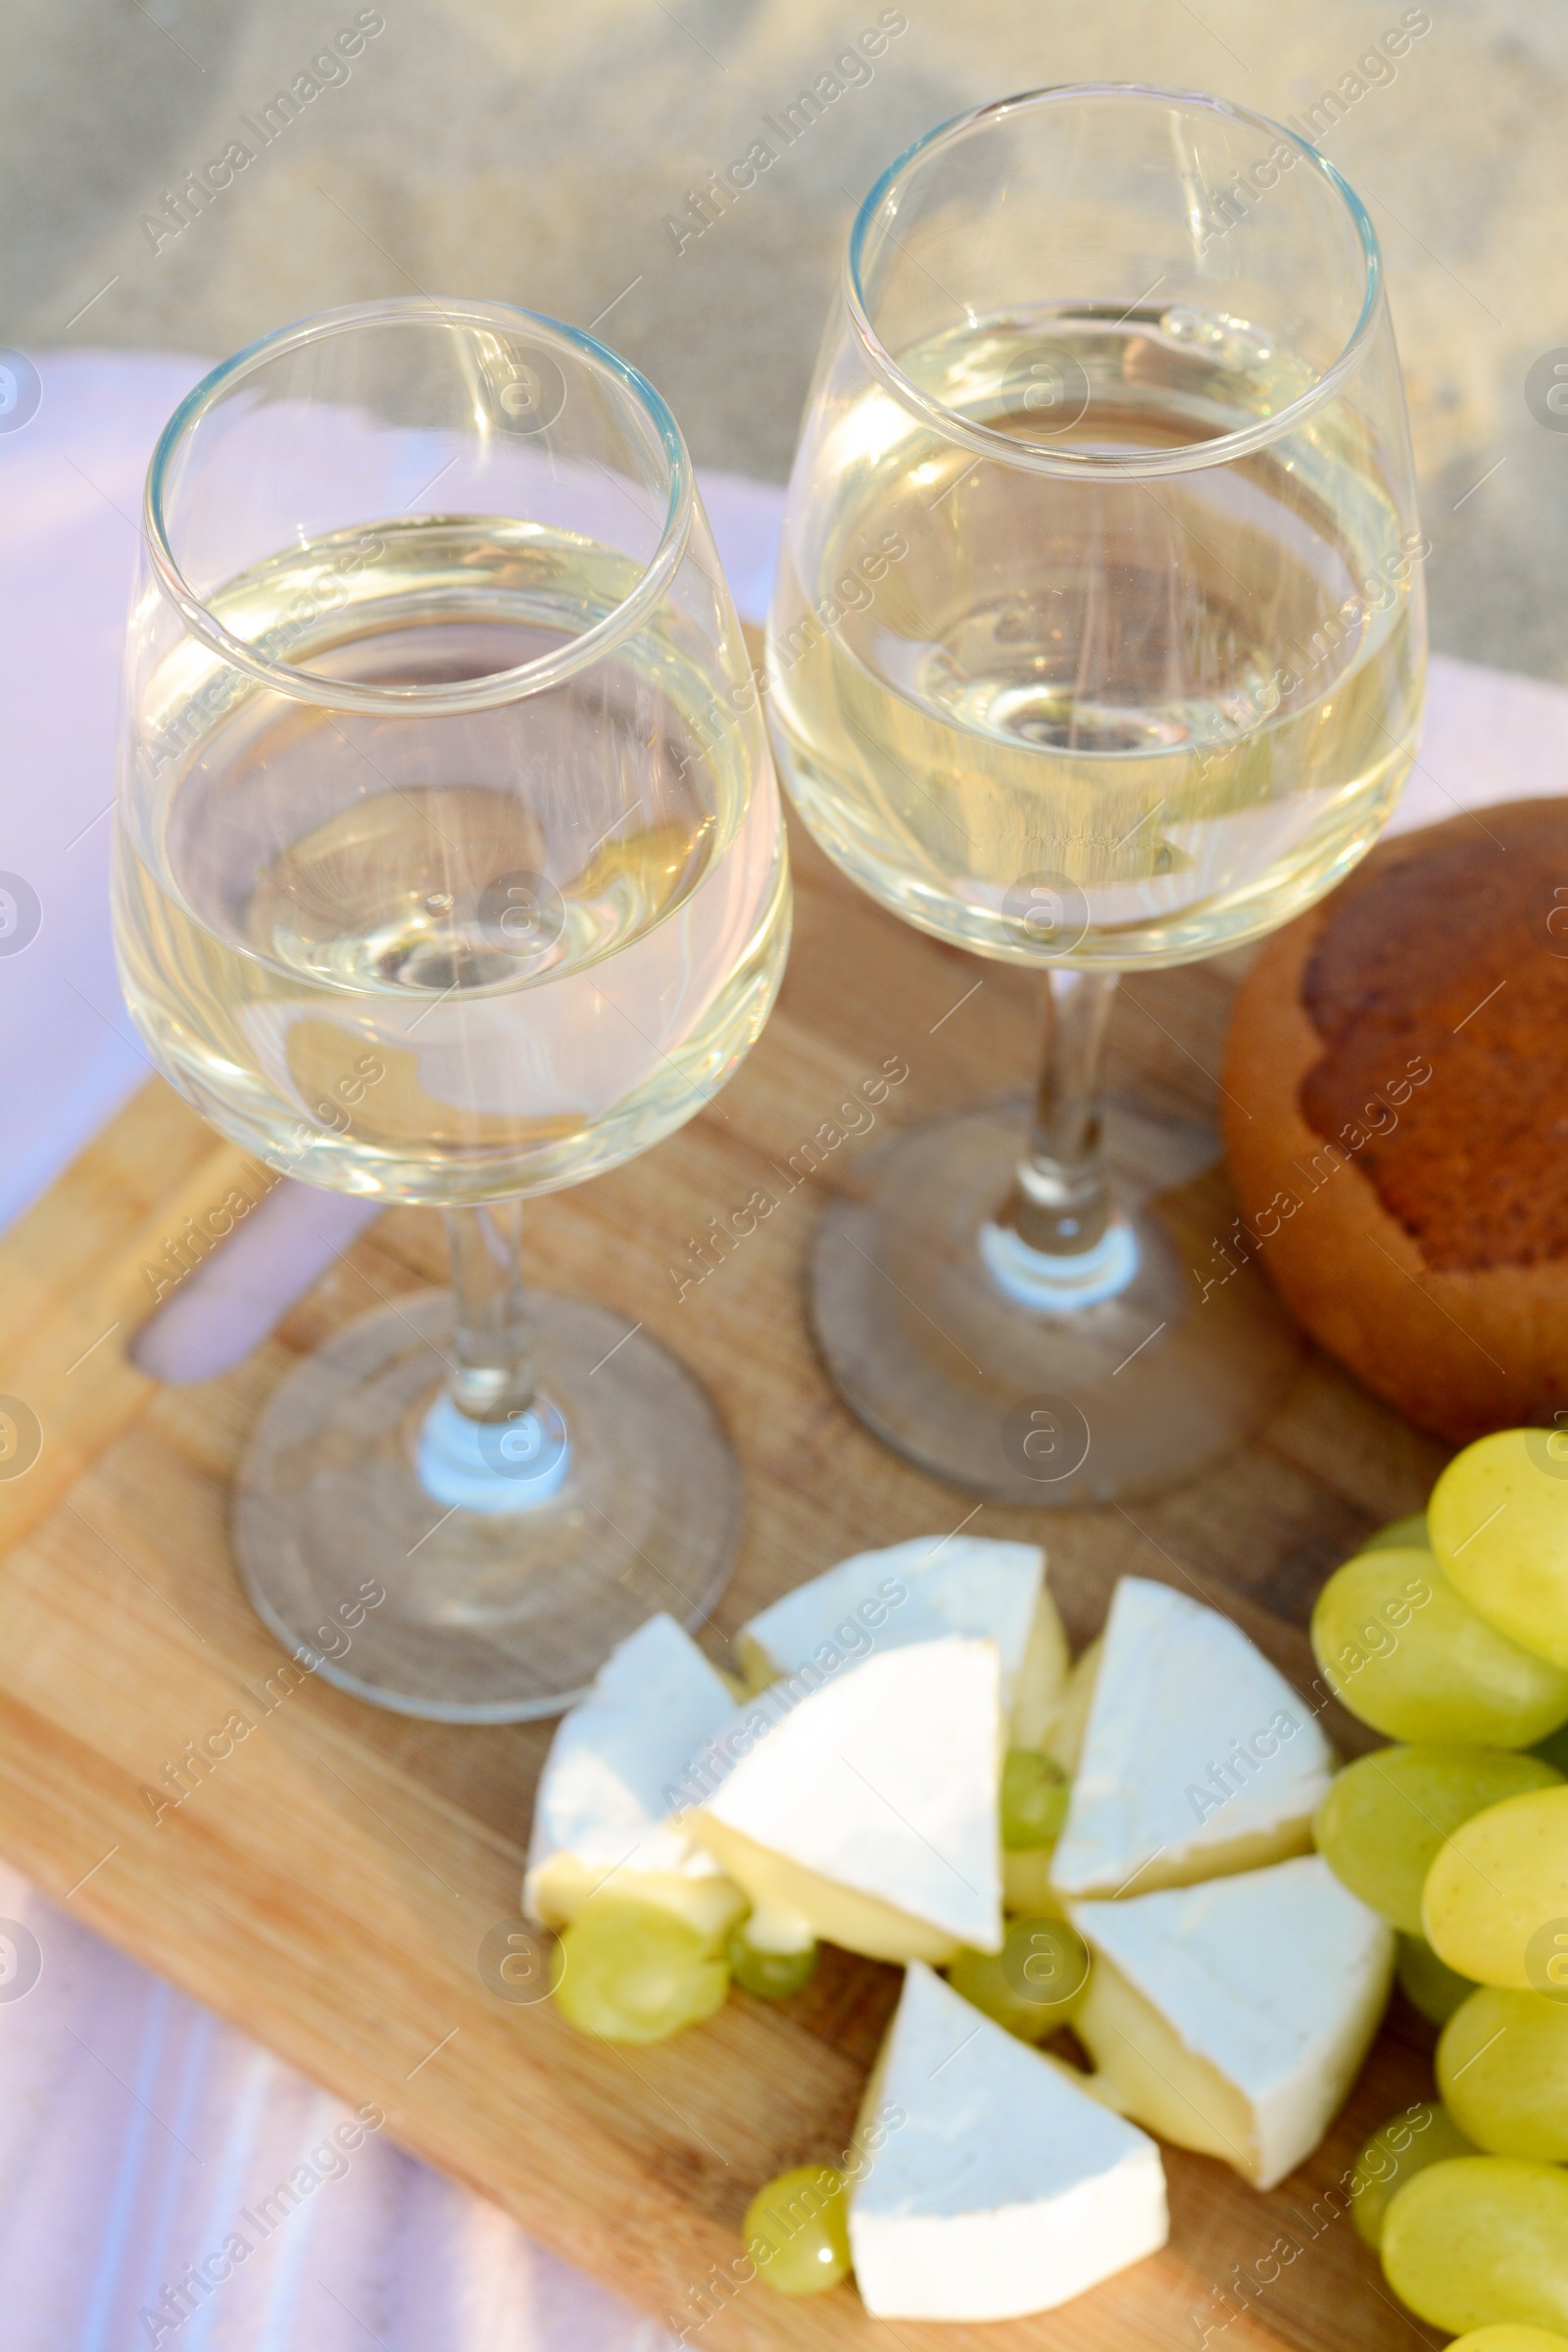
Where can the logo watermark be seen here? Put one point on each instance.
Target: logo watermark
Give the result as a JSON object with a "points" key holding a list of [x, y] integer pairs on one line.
{"points": [[1045, 1438]]}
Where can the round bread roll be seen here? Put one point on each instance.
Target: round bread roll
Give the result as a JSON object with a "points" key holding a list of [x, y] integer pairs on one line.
{"points": [[1397, 1119]]}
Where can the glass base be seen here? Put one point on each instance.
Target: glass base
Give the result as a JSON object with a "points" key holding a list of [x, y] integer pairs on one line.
{"points": [[490, 1614], [963, 1351]]}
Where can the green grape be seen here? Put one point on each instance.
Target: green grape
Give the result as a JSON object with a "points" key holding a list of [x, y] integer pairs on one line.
{"points": [[1496, 1902], [774, 1974], [1499, 1528], [1408, 1533], [1033, 1983], [1385, 1817], [796, 2230], [1508, 2336], [1428, 1983], [1411, 1657], [627, 1971], [1481, 2240], [1502, 2067], [1034, 1799], [1425, 2133]]}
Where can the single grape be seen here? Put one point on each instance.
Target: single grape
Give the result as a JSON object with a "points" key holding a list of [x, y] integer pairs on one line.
{"points": [[796, 2230], [1502, 2067], [1385, 1817], [1033, 1983], [1408, 1533], [1509, 2337], [760, 1968], [1034, 1799], [1481, 2240], [627, 1971], [1428, 1983], [1411, 1657], [1425, 2133], [1496, 1902], [1499, 1526]]}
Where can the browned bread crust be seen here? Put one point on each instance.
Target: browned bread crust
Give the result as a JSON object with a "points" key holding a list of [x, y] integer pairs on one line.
{"points": [[1397, 1119]]}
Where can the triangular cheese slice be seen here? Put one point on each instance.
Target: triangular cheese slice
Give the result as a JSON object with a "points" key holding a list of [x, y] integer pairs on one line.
{"points": [[1234, 2017], [984, 2183], [913, 1592], [601, 1819], [1198, 1757], [863, 1807]]}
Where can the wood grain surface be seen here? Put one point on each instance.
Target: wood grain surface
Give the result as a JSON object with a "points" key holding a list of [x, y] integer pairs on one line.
{"points": [[329, 1886]]}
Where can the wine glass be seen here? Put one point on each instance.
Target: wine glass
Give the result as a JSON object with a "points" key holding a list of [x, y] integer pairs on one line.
{"points": [[450, 870], [1097, 644]]}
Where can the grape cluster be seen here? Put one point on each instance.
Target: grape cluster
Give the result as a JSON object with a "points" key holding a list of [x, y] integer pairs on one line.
{"points": [[1448, 1634]]}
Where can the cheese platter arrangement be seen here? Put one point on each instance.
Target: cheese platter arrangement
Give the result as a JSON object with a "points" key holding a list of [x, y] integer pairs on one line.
{"points": [[1147, 1862]]}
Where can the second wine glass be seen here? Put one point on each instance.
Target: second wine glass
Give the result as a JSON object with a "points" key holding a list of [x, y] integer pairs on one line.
{"points": [[1097, 646]]}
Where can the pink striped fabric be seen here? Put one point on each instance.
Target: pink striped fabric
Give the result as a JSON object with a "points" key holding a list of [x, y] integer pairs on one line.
{"points": [[165, 2183]]}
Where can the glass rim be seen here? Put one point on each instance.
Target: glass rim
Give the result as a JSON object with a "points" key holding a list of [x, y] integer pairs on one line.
{"points": [[446, 698], [1029, 457]]}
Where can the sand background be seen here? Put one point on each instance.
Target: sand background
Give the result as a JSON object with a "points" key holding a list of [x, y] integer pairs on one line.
{"points": [[531, 152]]}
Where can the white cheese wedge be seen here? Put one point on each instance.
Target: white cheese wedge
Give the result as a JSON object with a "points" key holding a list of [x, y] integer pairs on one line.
{"points": [[985, 2184], [603, 1818], [1234, 2017], [863, 1807], [912, 1592], [1198, 1757]]}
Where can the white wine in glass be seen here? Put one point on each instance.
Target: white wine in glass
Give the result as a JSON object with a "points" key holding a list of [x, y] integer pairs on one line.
{"points": [[449, 870], [518, 963], [1097, 644]]}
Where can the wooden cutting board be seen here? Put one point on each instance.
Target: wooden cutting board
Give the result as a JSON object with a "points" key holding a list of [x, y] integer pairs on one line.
{"points": [[330, 1885]]}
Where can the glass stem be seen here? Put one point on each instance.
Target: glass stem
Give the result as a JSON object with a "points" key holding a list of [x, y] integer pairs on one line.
{"points": [[1060, 1205], [493, 1376]]}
